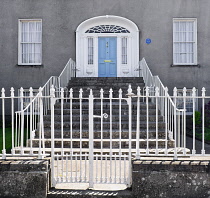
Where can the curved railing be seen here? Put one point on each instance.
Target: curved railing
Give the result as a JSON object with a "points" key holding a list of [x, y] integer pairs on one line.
{"points": [[29, 120]]}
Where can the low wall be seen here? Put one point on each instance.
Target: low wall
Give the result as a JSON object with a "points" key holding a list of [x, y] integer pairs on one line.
{"points": [[152, 179], [24, 178]]}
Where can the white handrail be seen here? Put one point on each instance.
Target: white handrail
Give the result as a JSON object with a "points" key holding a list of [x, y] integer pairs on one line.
{"points": [[58, 82], [152, 82]]}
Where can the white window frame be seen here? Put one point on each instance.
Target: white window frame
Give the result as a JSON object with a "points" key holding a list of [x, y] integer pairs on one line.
{"points": [[178, 100], [90, 50], [194, 41], [124, 50], [20, 62]]}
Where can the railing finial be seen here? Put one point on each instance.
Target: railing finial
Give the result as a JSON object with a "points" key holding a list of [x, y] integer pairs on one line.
{"points": [[157, 91], [110, 93], [193, 92], [80, 93], [138, 91], [129, 90], [71, 93], [120, 93], [2, 92], [101, 93], [175, 91], [12, 90], [147, 91], [52, 91], [62, 92], [203, 92], [21, 91], [184, 91]]}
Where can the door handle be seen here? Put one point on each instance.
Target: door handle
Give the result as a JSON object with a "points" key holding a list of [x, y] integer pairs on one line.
{"points": [[107, 61]]}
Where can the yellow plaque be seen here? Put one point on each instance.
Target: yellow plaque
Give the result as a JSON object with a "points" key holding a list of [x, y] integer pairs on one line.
{"points": [[107, 61]]}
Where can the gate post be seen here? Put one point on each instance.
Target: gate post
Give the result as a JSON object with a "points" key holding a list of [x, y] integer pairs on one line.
{"points": [[91, 139]]}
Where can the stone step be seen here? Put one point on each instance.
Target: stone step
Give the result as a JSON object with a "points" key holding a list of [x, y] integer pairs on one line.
{"points": [[106, 125], [143, 112], [115, 118], [81, 84], [106, 105], [107, 79], [105, 134], [105, 144]]}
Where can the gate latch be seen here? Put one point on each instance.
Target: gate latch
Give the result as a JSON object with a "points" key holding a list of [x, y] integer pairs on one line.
{"points": [[105, 115]]}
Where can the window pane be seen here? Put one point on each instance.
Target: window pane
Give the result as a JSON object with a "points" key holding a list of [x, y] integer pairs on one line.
{"points": [[124, 50], [90, 51], [184, 41], [31, 38]]}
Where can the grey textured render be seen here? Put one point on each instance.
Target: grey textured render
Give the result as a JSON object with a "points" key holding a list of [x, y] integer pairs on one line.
{"points": [[60, 18]]}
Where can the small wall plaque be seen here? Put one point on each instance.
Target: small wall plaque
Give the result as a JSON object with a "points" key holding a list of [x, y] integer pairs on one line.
{"points": [[148, 41]]}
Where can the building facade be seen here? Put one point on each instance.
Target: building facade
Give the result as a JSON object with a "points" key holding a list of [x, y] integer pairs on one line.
{"points": [[106, 38]]}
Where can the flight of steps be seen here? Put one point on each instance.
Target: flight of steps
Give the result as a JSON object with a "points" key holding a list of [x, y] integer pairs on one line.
{"points": [[120, 140]]}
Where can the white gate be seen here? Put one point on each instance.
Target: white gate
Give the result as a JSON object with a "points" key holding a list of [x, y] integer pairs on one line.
{"points": [[91, 139]]}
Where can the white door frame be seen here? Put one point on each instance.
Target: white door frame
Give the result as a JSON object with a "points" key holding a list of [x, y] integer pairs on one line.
{"points": [[123, 70]]}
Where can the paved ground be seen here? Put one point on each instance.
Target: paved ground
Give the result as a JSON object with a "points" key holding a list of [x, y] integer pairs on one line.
{"points": [[198, 146]]}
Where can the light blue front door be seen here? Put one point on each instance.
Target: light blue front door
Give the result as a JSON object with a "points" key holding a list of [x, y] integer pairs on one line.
{"points": [[107, 57]]}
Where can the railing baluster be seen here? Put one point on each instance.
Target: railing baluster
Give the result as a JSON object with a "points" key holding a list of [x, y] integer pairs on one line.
{"points": [[184, 97], [166, 120], [147, 120], [52, 101], [120, 132], [80, 135], [193, 96], [66, 167], [203, 120], [91, 106], [62, 140], [156, 96], [110, 97], [138, 124], [71, 131], [3, 123], [12, 115], [129, 101], [22, 120], [101, 97]]}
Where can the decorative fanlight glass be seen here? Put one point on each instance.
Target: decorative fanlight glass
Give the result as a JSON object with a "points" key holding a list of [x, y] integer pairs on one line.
{"points": [[107, 29]]}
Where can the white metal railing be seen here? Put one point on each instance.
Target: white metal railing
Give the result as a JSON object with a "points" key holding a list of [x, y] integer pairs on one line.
{"points": [[152, 82], [68, 72], [99, 135], [58, 82], [28, 121], [95, 157]]}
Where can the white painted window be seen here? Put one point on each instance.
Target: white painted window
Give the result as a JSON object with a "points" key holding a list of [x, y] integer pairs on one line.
{"points": [[185, 41], [189, 101], [124, 50], [30, 42], [90, 51]]}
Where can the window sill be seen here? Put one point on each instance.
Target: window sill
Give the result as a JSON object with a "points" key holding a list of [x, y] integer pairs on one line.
{"points": [[30, 65], [186, 65]]}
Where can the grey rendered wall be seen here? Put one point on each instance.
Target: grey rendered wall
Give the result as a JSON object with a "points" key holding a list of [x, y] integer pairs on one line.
{"points": [[61, 18]]}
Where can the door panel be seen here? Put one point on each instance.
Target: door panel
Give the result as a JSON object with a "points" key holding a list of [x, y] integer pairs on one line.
{"points": [[107, 57]]}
